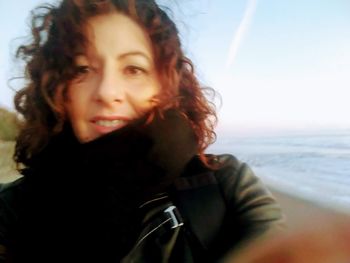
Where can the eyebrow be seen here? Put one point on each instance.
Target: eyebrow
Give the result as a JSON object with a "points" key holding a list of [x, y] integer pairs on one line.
{"points": [[134, 53]]}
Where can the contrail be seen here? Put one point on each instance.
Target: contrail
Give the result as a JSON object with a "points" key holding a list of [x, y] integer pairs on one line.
{"points": [[242, 29]]}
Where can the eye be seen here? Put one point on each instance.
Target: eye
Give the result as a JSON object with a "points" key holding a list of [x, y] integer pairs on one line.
{"points": [[82, 69], [134, 70]]}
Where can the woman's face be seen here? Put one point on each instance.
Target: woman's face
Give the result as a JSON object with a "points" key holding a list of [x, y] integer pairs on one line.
{"points": [[116, 81]]}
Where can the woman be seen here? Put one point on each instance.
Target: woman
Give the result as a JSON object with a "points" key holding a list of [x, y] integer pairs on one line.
{"points": [[115, 129]]}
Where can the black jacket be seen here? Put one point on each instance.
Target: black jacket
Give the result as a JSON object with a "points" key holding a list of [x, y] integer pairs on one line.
{"points": [[152, 200]]}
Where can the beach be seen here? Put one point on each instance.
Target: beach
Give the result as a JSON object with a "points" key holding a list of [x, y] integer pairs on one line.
{"points": [[308, 172], [314, 233], [300, 212]]}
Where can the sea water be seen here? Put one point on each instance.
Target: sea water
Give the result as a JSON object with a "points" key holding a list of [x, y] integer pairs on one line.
{"points": [[312, 165]]}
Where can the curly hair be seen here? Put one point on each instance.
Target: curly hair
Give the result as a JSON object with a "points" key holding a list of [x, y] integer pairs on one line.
{"points": [[58, 34]]}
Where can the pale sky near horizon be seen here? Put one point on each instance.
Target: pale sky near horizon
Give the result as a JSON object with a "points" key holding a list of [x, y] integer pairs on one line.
{"points": [[276, 64]]}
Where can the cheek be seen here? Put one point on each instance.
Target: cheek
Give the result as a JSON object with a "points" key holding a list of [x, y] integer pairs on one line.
{"points": [[143, 97], [139, 104], [74, 104], [75, 116]]}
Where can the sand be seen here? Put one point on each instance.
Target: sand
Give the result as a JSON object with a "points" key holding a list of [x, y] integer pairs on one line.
{"points": [[300, 211], [316, 233]]}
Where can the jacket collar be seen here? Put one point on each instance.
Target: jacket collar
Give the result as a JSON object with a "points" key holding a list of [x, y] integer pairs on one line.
{"points": [[143, 157]]}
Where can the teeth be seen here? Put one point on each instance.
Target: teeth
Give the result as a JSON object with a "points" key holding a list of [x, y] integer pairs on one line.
{"points": [[109, 123]]}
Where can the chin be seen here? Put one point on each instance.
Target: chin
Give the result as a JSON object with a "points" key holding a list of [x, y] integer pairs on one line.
{"points": [[85, 138]]}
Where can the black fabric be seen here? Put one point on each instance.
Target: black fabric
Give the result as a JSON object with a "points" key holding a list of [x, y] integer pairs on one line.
{"points": [[88, 194], [78, 203], [189, 193], [251, 212]]}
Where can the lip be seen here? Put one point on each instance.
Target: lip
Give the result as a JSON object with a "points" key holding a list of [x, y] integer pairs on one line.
{"points": [[103, 129], [109, 118]]}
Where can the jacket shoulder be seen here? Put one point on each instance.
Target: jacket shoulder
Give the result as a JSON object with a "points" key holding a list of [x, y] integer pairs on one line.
{"points": [[228, 188], [9, 209], [224, 162], [10, 196], [248, 198], [227, 169], [241, 186], [9, 191]]}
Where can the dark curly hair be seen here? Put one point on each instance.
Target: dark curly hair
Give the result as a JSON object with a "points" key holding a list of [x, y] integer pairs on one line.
{"points": [[58, 35]]}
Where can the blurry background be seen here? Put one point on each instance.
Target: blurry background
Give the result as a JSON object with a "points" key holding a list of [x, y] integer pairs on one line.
{"points": [[283, 71]]}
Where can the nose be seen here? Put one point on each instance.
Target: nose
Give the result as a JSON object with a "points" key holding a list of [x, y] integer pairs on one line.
{"points": [[109, 88]]}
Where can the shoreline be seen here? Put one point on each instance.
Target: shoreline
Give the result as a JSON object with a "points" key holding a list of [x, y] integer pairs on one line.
{"points": [[301, 211]]}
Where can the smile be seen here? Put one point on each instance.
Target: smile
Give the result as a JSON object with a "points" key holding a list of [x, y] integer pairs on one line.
{"points": [[107, 124], [110, 123]]}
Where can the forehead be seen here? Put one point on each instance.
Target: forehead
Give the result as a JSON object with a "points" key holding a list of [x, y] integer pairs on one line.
{"points": [[116, 32]]}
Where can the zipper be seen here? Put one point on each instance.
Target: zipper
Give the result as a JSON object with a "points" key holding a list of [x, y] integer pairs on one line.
{"points": [[153, 200], [151, 231]]}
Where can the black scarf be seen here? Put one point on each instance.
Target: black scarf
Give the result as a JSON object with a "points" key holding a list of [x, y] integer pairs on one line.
{"points": [[102, 183]]}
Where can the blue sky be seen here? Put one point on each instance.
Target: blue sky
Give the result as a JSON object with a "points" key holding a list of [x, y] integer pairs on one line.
{"points": [[277, 64]]}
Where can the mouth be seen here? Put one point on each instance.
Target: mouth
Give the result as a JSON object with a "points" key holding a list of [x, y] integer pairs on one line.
{"points": [[110, 123], [104, 125]]}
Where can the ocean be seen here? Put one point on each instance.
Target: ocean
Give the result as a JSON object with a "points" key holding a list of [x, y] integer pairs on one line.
{"points": [[315, 166]]}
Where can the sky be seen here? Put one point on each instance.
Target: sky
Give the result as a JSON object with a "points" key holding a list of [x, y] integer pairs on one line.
{"points": [[277, 64]]}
